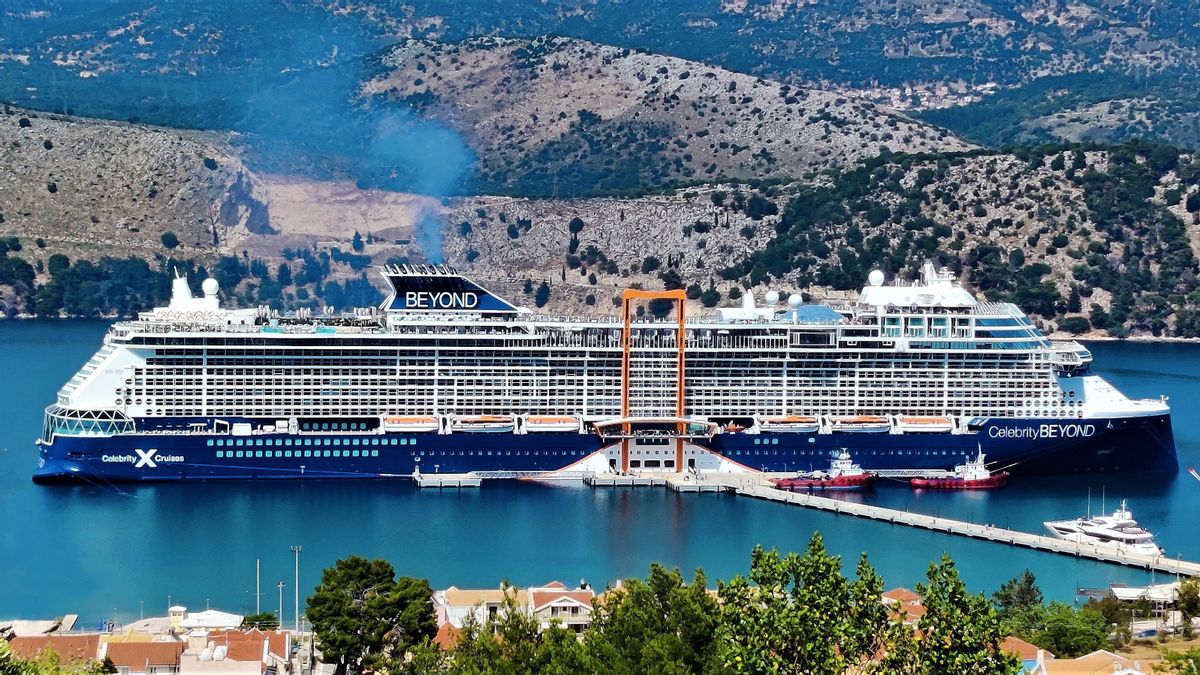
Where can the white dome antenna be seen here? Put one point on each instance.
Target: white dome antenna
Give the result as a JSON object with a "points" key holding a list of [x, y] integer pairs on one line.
{"points": [[794, 301], [771, 298], [210, 287], [875, 278]]}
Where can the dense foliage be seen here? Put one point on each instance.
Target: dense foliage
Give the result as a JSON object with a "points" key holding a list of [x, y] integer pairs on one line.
{"points": [[792, 614], [1127, 239], [362, 615]]}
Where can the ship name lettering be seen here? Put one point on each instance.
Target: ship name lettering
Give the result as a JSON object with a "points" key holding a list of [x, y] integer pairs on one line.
{"points": [[1045, 431], [442, 300]]}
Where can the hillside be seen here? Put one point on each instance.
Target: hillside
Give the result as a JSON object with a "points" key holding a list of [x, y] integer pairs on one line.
{"points": [[558, 116], [1100, 241], [270, 68], [1087, 238]]}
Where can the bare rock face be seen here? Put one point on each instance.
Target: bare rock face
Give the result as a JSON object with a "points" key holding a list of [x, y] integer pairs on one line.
{"points": [[561, 117]]}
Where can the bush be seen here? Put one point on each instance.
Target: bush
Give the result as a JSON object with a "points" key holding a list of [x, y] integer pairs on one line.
{"points": [[210, 163], [650, 264], [169, 239], [1075, 324]]}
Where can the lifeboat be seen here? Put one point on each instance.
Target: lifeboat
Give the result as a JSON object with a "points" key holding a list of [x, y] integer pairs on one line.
{"points": [[411, 424], [861, 424], [843, 474], [482, 424], [789, 424], [540, 423], [973, 475], [925, 425]]}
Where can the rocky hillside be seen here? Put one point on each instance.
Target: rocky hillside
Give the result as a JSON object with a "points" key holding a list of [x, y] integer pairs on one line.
{"points": [[238, 65], [558, 116], [1094, 242]]}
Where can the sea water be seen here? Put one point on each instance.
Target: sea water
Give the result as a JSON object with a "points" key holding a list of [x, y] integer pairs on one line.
{"points": [[123, 551]]}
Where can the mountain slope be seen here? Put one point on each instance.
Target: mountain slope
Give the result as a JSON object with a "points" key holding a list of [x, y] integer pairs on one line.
{"points": [[563, 116]]}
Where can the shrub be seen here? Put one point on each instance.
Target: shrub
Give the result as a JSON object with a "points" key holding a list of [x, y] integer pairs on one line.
{"points": [[169, 239], [1075, 324]]}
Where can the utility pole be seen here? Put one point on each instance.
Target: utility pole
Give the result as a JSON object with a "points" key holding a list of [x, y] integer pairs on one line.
{"points": [[280, 585], [257, 585], [296, 589]]}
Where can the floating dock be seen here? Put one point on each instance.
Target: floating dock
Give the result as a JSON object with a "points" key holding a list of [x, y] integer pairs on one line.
{"points": [[444, 481], [973, 530]]}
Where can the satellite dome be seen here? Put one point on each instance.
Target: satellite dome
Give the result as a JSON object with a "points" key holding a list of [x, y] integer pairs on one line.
{"points": [[210, 286], [794, 300], [771, 298], [875, 278]]}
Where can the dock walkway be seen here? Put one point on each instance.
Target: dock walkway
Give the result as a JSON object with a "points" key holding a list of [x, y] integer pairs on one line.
{"points": [[973, 530]]}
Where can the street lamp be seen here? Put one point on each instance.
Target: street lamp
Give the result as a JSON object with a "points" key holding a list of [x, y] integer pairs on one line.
{"points": [[296, 588], [280, 585]]}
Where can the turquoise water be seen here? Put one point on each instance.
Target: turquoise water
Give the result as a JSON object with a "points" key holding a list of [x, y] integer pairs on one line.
{"points": [[98, 552]]}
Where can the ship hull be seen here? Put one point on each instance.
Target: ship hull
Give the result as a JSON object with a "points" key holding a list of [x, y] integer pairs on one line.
{"points": [[1022, 446]]}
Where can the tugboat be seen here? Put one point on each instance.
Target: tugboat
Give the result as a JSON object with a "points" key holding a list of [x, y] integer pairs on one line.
{"points": [[843, 474], [973, 475]]}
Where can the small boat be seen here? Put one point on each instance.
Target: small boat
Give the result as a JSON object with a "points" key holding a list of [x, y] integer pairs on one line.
{"points": [[482, 424], [1118, 531], [843, 474], [972, 475], [861, 424], [788, 424], [911, 424], [542, 423], [411, 424]]}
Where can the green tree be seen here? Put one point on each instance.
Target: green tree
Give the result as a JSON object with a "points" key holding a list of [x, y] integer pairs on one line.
{"points": [[800, 614], [261, 621], [357, 242], [961, 632], [1017, 594], [576, 225], [362, 615], [658, 625], [170, 239], [542, 296], [1068, 632], [1188, 604]]}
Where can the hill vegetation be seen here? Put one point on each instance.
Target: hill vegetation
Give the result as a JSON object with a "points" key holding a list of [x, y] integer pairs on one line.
{"points": [[563, 117]]}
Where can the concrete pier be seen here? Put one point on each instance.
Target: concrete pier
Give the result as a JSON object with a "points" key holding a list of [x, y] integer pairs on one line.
{"points": [[446, 480], [612, 480], [975, 531]]}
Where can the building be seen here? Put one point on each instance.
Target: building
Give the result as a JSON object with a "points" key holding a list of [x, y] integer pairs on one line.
{"points": [[1029, 654], [236, 652], [1099, 661], [71, 649], [904, 604], [143, 658], [555, 603], [550, 603]]}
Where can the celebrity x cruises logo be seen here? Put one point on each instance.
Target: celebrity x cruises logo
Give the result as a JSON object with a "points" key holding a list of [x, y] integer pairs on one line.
{"points": [[145, 458]]}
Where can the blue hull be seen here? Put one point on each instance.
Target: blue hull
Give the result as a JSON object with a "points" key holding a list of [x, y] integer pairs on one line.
{"points": [[1029, 446]]}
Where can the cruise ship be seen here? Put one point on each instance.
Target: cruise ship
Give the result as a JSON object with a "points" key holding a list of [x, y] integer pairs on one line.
{"points": [[447, 377]]}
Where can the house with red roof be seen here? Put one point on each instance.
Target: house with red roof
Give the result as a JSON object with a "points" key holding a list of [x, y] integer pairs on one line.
{"points": [[144, 658], [71, 649], [569, 607]]}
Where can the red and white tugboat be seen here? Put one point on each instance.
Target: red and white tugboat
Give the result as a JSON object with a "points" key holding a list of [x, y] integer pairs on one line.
{"points": [[973, 475], [843, 474]]}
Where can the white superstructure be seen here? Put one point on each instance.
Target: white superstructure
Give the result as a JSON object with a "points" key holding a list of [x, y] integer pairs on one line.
{"points": [[443, 347]]}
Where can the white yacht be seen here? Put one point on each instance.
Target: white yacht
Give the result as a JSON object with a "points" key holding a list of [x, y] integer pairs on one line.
{"points": [[1119, 531]]}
